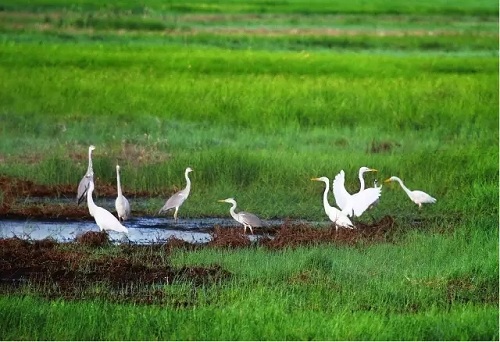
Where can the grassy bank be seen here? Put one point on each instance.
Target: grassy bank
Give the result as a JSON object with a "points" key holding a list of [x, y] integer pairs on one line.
{"points": [[427, 286]]}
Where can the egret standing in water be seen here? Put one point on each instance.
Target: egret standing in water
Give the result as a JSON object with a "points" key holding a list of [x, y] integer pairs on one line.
{"points": [[104, 219], [336, 216], [417, 196], [178, 198], [355, 204], [89, 177], [121, 204], [246, 219]]}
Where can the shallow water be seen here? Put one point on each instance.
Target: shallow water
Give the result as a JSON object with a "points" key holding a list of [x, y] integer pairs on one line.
{"points": [[142, 230]]}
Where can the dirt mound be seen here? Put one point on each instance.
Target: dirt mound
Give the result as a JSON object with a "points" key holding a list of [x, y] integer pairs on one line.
{"points": [[305, 235], [93, 239], [294, 235], [229, 238]]}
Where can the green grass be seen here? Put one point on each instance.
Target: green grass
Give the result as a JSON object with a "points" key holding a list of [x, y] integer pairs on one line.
{"points": [[426, 287], [237, 116], [256, 117], [487, 7]]}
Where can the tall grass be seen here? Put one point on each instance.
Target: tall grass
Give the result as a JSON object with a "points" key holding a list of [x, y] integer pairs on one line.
{"points": [[293, 6], [253, 125]]}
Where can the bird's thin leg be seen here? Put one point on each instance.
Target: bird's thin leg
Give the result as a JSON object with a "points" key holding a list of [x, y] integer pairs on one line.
{"points": [[244, 229], [251, 231], [175, 214]]}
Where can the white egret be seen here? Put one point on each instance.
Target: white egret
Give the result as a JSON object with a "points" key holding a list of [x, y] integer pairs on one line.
{"points": [[121, 203], [355, 204], [89, 177], [246, 219], [104, 219], [417, 196], [336, 216], [176, 200]]}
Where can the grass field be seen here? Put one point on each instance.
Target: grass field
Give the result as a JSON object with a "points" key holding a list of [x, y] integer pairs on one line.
{"points": [[258, 98]]}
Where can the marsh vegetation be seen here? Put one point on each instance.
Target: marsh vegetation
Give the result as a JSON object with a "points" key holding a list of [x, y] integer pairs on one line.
{"points": [[257, 99]]}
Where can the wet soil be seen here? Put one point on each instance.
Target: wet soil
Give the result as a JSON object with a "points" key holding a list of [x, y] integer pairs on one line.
{"points": [[15, 190], [73, 271], [92, 267]]}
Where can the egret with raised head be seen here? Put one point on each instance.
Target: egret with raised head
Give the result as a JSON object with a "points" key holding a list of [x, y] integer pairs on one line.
{"points": [[122, 205], [355, 204], [336, 216], [104, 219]]}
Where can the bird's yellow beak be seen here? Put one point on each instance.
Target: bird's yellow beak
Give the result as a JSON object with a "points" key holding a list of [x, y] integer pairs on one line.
{"points": [[314, 179], [387, 180], [220, 201], [374, 170]]}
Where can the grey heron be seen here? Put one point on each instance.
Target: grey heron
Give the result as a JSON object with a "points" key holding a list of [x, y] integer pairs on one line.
{"points": [[176, 200], [89, 177], [246, 219]]}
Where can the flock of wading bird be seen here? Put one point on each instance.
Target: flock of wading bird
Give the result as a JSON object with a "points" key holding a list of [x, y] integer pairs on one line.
{"points": [[350, 204]]}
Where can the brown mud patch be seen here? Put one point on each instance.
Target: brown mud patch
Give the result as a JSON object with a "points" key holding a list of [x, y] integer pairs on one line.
{"points": [[92, 268], [73, 271], [295, 235], [15, 190]]}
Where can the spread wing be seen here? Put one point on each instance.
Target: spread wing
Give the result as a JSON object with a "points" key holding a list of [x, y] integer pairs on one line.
{"points": [[339, 192], [363, 199]]}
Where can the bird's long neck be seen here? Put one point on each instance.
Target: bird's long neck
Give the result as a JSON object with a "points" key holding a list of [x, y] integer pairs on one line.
{"points": [[188, 183], [90, 171], [325, 195], [118, 184], [361, 181], [90, 201], [232, 212], [408, 191]]}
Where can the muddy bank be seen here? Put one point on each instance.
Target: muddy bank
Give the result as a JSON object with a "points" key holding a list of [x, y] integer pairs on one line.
{"points": [[132, 273], [15, 206]]}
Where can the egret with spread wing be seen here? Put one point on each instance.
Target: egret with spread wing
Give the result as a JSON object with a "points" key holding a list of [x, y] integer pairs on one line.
{"points": [[355, 204], [176, 200], [336, 216], [121, 203], [104, 219], [89, 177], [417, 196], [246, 219]]}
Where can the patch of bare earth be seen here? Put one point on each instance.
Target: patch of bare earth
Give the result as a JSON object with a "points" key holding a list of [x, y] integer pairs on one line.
{"points": [[132, 273], [15, 190], [73, 272]]}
